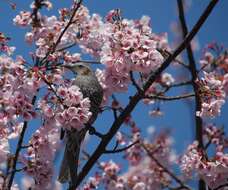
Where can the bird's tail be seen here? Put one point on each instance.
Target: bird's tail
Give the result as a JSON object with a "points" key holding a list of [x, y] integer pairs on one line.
{"points": [[64, 173], [69, 165]]}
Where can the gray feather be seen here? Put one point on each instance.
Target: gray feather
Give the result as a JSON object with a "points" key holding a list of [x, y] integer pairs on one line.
{"points": [[90, 88]]}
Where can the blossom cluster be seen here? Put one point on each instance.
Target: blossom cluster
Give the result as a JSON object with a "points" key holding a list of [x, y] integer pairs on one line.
{"points": [[4, 47], [147, 174], [40, 155], [212, 95], [67, 108], [213, 84], [215, 135], [130, 45], [58, 106], [18, 86], [49, 30], [141, 175], [160, 86], [214, 170]]}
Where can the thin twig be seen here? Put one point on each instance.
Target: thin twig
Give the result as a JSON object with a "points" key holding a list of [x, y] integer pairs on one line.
{"points": [[194, 73], [115, 150], [116, 145], [18, 149], [221, 186], [34, 15], [164, 168], [78, 4], [93, 131], [87, 61], [53, 90], [165, 53], [66, 47], [170, 98], [26, 146], [87, 155], [192, 66], [184, 83], [134, 82]]}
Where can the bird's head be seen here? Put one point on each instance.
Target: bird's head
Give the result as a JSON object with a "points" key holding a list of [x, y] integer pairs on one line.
{"points": [[80, 68]]}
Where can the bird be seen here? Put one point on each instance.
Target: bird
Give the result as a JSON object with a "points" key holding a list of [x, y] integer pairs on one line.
{"points": [[90, 87]]}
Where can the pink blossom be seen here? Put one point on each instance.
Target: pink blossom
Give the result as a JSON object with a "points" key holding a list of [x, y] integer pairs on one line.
{"points": [[23, 19], [167, 79], [156, 113], [225, 83], [73, 110], [213, 171], [212, 95], [120, 138], [214, 134], [4, 150], [39, 164], [190, 160]]}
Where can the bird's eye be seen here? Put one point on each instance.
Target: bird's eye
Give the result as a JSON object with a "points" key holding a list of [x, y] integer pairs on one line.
{"points": [[80, 66]]}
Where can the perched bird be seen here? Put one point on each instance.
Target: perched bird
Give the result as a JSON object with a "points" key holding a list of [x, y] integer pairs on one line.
{"points": [[87, 81]]}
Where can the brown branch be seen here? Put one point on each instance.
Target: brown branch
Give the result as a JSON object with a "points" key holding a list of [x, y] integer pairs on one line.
{"points": [[166, 170], [87, 155], [134, 82], [167, 88], [18, 149], [138, 96], [170, 98], [78, 4], [35, 19], [193, 70], [165, 53], [66, 47], [181, 84], [93, 131], [115, 150], [221, 186], [87, 61], [52, 89], [26, 146], [177, 188], [192, 65]]}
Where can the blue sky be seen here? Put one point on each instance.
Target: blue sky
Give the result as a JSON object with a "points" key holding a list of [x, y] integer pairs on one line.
{"points": [[178, 115]]}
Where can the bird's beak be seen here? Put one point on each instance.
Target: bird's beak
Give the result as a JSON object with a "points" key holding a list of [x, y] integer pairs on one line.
{"points": [[70, 67]]}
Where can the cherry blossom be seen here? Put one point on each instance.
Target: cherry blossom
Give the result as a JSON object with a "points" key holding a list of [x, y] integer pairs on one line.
{"points": [[213, 171], [212, 95], [4, 150], [39, 162], [37, 89]]}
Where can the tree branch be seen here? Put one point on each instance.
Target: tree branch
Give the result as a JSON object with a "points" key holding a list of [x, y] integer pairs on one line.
{"points": [[166, 53], [193, 70], [164, 168], [18, 149], [221, 186], [115, 150], [134, 82], [181, 84], [63, 32], [92, 131], [170, 98]]}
